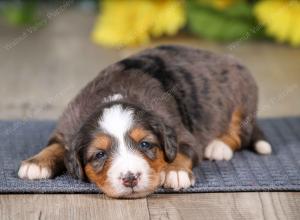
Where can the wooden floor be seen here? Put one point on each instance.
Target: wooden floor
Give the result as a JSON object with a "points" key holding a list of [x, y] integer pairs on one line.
{"points": [[239, 206], [43, 69]]}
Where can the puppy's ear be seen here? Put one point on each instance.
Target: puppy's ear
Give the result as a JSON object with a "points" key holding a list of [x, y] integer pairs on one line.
{"points": [[73, 161], [167, 138]]}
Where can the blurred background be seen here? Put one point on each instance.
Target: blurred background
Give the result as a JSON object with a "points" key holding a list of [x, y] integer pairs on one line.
{"points": [[50, 49]]}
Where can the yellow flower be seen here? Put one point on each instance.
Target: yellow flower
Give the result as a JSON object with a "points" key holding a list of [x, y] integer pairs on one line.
{"points": [[133, 22], [281, 19]]}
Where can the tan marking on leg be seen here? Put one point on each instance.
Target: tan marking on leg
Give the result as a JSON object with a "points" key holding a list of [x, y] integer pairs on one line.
{"points": [[232, 136], [181, 162], [51, 154], [178, 174], [46, 164], [222, 147]]}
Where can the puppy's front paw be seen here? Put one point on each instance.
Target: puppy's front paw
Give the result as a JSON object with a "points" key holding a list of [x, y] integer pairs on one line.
{"points": [[178, 179], [218, 150], [32, 170]]}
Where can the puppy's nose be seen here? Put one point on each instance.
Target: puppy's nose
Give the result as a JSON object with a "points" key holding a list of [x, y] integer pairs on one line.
{"points": [[130, 179]]}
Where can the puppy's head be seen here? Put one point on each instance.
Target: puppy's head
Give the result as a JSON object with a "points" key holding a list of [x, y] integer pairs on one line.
{"points": [[122, 149]]}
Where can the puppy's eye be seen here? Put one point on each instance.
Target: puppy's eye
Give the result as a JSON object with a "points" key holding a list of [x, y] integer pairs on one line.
{"points": [[145, 144], [99, 155]]}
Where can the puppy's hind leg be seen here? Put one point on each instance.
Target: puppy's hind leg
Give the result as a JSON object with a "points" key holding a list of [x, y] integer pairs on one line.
{"points": [[46, 164], [223, 147]]}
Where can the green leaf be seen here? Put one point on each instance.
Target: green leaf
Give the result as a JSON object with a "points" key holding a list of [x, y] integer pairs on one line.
{"points": [[232, 23], [20, 14]]}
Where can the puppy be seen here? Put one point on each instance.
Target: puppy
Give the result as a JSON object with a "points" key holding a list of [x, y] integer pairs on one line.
{"points": [[147, 120]]}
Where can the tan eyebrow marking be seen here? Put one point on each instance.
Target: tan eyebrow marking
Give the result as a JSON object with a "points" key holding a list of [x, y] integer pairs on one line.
{"points": [[137, 134], [102, 141]]}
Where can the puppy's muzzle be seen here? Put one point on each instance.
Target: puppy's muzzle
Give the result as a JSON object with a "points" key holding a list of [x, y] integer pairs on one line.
{"points": [[131, 180]]}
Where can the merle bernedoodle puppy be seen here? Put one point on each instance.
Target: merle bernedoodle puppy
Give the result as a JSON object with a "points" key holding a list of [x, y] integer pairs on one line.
{"points": [[147, 120]]}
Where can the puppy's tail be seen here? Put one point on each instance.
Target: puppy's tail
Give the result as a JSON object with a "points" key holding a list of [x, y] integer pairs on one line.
{"points": [[259, 142]]}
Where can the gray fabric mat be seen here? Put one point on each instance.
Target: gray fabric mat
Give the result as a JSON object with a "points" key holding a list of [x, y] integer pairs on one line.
{"points": [[247, 171]]}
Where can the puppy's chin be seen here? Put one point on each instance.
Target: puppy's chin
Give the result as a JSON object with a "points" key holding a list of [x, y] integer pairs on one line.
{"points": [[128, 193], [132, 195]]}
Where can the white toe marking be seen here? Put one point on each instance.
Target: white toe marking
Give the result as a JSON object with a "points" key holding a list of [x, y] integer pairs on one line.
{"points": [[178, 180], [184, 180], [218, 150], [263, 147], [32, 171], [162, 177], [171, 180]]}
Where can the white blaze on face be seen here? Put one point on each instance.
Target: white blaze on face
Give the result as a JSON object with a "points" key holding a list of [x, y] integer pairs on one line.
{"points": [[117, 121], [112, 98]]}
